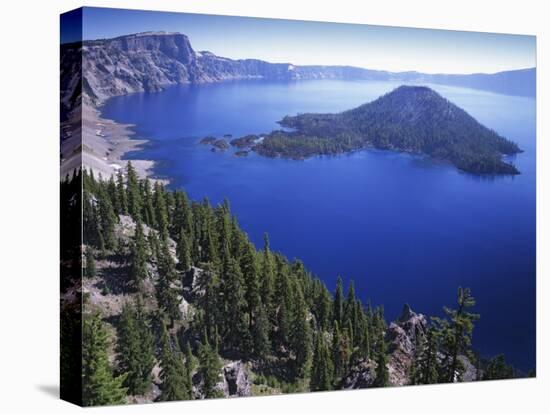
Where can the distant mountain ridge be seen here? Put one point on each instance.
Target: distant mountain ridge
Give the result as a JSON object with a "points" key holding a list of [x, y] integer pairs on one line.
{"points": [[152, 60]]}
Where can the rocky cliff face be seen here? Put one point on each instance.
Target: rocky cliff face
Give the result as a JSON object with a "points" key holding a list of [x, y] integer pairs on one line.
{"points": [[149, 61], [152, 60], [141, 62], [402, 335]]}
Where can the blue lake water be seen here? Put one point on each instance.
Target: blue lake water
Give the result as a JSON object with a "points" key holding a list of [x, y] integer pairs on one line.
{"points": [[406, 229]]}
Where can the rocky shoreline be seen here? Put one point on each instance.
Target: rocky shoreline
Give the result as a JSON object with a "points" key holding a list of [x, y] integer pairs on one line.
{"points": [[100, 144]]}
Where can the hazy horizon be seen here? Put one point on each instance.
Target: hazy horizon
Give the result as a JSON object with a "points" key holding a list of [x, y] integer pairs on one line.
{"points": [[386, 48]]}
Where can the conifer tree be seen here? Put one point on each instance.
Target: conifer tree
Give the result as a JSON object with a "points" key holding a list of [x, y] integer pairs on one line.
{"points": [[349, 306], [132, 192], [284, 295], [238, 241], [382, 375], [161, 211], [108, 219], [165, 261], [425, 364], [167, 298], [173, 375], [260, 334], [148, 209], [322, 370], [182, 217], [249, 268], [223, 229], [336, 352], [235, 319], [167, 295], [99, 385], [497, 368], [338, 312], [324, 307], [267, 279], [379, 327], [364, 345], [113, 195], [183, 251], [154, 245], [341, 351], [457, 335], [190, 366], [122, 196], [135, 348], [210, 302], [138, 258], [208, 248], [209, 369], [300, 335]]}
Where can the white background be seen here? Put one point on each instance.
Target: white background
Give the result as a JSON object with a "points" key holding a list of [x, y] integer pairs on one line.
{"points": [[29, 221]]}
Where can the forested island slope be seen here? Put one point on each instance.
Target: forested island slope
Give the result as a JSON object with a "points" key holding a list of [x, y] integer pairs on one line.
{"points": [[414, 119]]}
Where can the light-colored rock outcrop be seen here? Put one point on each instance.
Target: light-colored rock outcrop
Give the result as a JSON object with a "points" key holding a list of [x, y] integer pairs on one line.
{"points": [[234, 381]]}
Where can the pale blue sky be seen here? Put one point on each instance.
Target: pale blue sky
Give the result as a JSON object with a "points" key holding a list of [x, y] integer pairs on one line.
{"points": [[305, 43]]}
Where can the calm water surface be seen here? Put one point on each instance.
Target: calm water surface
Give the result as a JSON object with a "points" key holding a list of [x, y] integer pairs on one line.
{"points": [[405, 228]]}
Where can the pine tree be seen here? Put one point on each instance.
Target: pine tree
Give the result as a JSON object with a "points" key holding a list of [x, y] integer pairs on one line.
{"points": [[167, 295], [364, 345], [284, 295], [107, 218], [341, 351], [135, 348], [173, 375], [113, 195], [183, 251], [154, 246], [161, 211], [183, 216], [138, 258], [338, 312], [350, 316], [190, 366], [133, 193], [209, 369], [300, 335], [322, 370], [90, 270], [165, 261], [235, 319], [379, 328], [497, 368], [251, 279], [149, 216], [167, 298], [336, 353], [260, 334], [223, 230], [267, 279], [425, 364], [382, 375], [324, 307], [99, 385], [122, 196], [457, 335], [210, 302], [208, 242]]}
